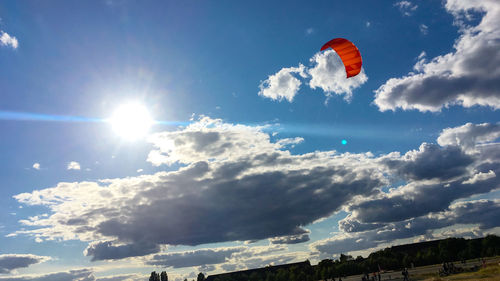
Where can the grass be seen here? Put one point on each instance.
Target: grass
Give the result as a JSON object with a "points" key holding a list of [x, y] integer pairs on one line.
{"points": [[490, 273]]}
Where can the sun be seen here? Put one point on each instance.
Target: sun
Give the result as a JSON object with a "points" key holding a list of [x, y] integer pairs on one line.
{"points": [[131, 121]]}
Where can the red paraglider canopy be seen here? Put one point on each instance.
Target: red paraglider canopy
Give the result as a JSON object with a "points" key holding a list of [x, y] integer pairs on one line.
{"points": [[348, 53]]}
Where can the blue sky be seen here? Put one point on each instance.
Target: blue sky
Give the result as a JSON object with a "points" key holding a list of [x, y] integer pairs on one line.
{"points": [[233, 178]]}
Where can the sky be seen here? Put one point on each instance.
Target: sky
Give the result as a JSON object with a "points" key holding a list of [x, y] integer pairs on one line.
{"points": [[197, 136]]}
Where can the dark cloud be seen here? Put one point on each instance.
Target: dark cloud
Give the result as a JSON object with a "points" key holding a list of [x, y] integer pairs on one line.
{"points": [[255, 206], [9, 262], [480, 212], [229, 267], [194, 258], [107, 251], [419, 199], [465, 165], [432, 162]]}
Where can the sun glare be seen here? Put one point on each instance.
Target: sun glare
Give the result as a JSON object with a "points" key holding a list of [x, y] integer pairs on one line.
{"points": [[131, 121]]}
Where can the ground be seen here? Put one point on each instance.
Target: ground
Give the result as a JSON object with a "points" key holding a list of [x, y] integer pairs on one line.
{"points": [[430, 273]]}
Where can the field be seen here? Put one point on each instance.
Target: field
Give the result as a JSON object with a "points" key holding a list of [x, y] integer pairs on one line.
{"points": [[490, 273]]}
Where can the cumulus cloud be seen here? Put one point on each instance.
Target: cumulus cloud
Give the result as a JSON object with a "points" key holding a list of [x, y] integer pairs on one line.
{"points": [[73, 165], [261, 256], [9, 262], [468, 76], [431, 161], [8, 40], [468, 163], [194, 258], [230, 169], [327, 72], [406, 7], [36, 166], [107, 251], [480, 212], [282, 85], [469, 135], [72, 275], [225, 258], [465, 163], [235, 184], [480, 177]]}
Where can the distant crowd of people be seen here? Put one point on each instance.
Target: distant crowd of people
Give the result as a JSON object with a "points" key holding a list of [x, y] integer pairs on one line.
{"points": [[375, 277], [449, 267], [406, 275]]}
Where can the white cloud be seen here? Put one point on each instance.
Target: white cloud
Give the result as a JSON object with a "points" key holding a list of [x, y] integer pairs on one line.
{"points": [[73, 165], [368, 24], [328, 74], [424, 29], [406, 7], [468, 76], [36, 166], [212, 140], [480, 177], [290, 239], [282, 85], [8, 40], [310, 31], [470, 135], [124, 277]]}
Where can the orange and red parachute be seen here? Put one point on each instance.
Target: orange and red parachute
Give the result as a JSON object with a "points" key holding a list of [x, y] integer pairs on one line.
{"points": [[348, 53]]}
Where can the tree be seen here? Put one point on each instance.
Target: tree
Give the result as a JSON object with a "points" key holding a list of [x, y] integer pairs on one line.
{"points": [[201, 277], [344, 258], [154, 276], [163, 276], [254, 277], [491, 246]]}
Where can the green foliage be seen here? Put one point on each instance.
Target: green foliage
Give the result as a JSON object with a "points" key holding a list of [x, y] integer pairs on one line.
{"points": [[163, 276], [154, 276]]}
